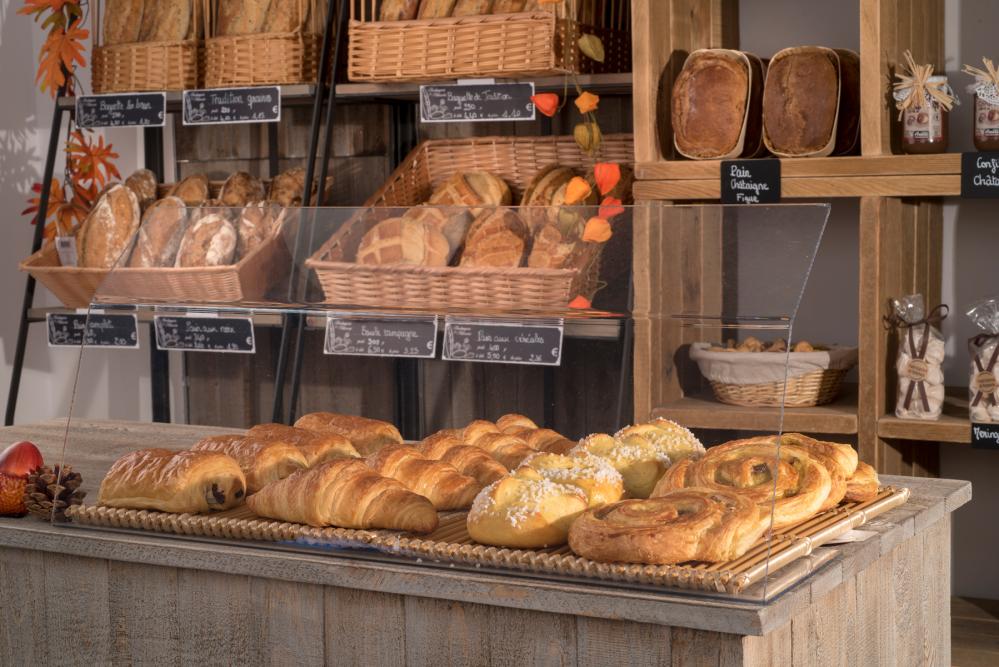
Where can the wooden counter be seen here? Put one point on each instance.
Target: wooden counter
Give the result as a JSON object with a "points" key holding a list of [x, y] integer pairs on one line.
{"points": [[89, 596]]}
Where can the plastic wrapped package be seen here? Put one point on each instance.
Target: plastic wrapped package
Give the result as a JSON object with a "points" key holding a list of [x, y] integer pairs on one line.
{"points": [[920, 358], [983, 349]]}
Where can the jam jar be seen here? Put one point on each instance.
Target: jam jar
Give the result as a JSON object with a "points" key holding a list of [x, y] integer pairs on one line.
{"points": [[987, 118], [924, 124]]}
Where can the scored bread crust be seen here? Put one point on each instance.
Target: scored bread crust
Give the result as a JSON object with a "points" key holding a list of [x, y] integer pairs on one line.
{"points": [[163, 226], [403, 241], [109, 228], [496, 239], [123, 21]]}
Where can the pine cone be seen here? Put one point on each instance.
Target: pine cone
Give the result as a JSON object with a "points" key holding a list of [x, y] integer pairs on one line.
{"points": [[47, 489]]}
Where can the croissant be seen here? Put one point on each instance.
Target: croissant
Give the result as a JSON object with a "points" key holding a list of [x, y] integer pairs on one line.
{"points": [[440, 482], [864, 484], [262, 461], [477, 429], [640, 463], [796, 481], [694, 524], [539, 438], [168, 481], [345, 493], [673, 440], [469, 460], [597, 478], [513, 423], [507, 449], [524, 513], [317, 447], [367, 435]]}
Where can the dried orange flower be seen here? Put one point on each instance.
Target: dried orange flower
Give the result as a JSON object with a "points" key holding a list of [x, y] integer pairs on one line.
{"points": [[581, 302], [607, 175], [577, 191], [610, 207], [546, 103], [587, 102], [597, 230]]}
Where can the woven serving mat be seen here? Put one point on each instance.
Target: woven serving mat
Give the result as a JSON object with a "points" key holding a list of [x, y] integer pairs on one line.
{"points": [[450, 543]]}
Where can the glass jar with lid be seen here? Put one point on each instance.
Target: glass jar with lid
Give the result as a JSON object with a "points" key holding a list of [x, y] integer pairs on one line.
{"points": [[925, 122]]}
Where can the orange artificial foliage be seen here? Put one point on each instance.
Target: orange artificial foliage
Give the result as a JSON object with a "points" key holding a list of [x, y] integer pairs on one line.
{"points": [[67, 215], [60, 51], [607, 175], [610, 207], [577, 191], [581, 303], [597, 230], [587, 102], [546, 103], [92, 162]]}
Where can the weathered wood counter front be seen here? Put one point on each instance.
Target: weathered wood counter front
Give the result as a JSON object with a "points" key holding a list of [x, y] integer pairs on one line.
{"points": [[82, 596]]}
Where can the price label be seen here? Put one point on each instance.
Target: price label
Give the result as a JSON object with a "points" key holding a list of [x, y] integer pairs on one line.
{"points": [[529, 343], [985, 436], [121, 110], [980, 175], [750, 181], [360, 336], [205, 334], [477, 102], [213, 106], [102, 330]]}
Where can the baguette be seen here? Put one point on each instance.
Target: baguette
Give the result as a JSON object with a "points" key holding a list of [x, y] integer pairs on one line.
{"points": [[348, 494]]}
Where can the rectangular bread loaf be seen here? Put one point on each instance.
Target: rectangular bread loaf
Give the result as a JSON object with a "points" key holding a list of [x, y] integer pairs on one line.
{"points": [[801, 102]]}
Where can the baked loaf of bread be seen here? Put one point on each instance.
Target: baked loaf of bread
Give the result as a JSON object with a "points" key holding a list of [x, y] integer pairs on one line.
{"points": [[166, 20], [498, 238], [285, 16], [468, 460], [803, 478], [436, 9], [163, 227], [863, 486], [437, 481], [473, 188], [193, 190], [262, 461], [168, 481], [348, 494], [716, 105], [399, 10], [288, 188], [693, 524], [144, 184], [108, 231], [540, 195], [367, 435], [240, 189], [596, 477], [801, 102], [509, 6], [257, 223], [240, 17], [316, 447], [452, 222], [525, 513], [640, 463], [404, 241], [210, 241], [122, 21], [472, 7]]}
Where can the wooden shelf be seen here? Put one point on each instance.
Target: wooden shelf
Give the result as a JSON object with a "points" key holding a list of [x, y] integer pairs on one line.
{"points": [[601, 84], [291, 95], [705, 412], [953, 425], [848, 176]]}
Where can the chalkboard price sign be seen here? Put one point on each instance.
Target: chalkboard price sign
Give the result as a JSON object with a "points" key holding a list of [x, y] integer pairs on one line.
{"points": [[213, 106], [121, 110], [350, 335], [205, 334], [985, 436], [103, 330], [980, 175], [460, 103], [495, 342], [750, 181]]}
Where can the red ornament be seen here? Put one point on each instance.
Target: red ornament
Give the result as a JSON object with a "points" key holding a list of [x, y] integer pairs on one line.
{"points": [[20, 459]]}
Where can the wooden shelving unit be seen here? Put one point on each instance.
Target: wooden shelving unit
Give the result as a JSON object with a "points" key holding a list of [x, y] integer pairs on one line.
{"points": [[901, 226], [954, 426]]}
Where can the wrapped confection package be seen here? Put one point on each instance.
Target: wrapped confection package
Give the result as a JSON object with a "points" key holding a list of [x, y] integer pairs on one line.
{"points": [[983, 349], [921, 354]]}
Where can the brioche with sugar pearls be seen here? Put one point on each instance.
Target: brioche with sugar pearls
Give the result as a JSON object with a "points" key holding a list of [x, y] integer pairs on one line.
{"points": [[525, 513], [640, 463], [594, 475]]}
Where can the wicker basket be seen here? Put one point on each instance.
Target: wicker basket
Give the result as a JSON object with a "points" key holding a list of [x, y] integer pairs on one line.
{"points": [[815, 377], [514, 159], [492, 45], [273, 58], [145, 66], [247, 280]]}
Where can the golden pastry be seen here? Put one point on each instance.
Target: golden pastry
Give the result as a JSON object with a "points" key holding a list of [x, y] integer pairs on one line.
{"points": [[317, 447], [437, 481], [367, 435], [525, 513], [597, 478], [640, 463], [262, 461]]}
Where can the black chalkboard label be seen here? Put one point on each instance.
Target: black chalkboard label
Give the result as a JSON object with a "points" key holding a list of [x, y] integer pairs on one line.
{"points": [[985, 436], [103, 330], [205, 334], [750, 181], [502, 342], [460, 103], [213, 106], [121, 110], [980, 175], [350, 335]]}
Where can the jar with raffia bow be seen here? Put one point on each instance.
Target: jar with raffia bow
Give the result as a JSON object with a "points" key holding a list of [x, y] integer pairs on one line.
{"points": [[983, 349], [923, 101], [986, 92], [921, 354]]}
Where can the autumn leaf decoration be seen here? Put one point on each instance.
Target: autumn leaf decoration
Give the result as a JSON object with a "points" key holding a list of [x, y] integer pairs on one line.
{"points": [[63, 49]]}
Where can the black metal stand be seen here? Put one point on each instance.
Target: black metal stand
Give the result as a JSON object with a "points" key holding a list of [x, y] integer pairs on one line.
{"points": [[29, 288], [159, 360]]}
